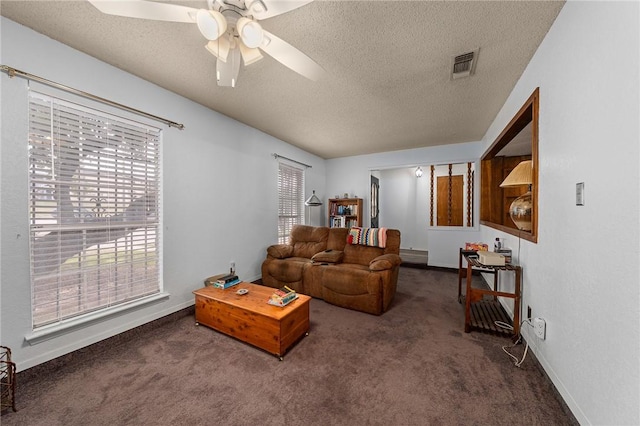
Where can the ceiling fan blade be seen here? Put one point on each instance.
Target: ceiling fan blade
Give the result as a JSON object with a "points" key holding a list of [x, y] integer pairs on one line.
{"points": [[146, 10], [227, 72], [263, 9], [291, 57]]}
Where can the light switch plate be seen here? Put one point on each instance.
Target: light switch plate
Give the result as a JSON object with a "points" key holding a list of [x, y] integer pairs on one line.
{"points": [[580, 194]]}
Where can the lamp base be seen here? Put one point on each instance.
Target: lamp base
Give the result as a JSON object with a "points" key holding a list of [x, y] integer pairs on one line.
{"points": [[521, 212]]}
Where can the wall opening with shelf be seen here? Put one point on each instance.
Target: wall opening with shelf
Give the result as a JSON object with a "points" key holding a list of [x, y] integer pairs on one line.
{"points": [[451, 194], [517, 142]]}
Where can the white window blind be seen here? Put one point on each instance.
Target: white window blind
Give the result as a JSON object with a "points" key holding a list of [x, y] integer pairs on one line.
{"points": [[290, 199], [94, 188]]}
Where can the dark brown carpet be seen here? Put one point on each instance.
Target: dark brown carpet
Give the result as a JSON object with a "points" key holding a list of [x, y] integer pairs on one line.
{"points": [[413, 365]]}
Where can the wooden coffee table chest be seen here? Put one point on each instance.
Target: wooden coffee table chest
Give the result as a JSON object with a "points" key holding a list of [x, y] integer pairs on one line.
{"points": [[251, 319]]}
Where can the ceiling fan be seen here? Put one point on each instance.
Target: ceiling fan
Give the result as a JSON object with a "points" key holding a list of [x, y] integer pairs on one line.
{"points": [[232, 28]]}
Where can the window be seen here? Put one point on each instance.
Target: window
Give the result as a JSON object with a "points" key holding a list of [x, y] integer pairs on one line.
{"points": [[290, 199], [94, 188]]}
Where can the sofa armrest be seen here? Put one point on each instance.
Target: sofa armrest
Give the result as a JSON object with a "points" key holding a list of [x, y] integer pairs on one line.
{"points": [[384, 262], [280, 251], [328, 256]]}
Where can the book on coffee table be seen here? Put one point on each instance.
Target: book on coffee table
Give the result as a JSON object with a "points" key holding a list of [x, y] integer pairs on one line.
{"points": [[226, 284], [282, 303], [227, 278], [282, 296]]}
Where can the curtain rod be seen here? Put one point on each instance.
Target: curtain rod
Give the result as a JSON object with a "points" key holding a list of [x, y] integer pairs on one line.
{"points": [[276, 156], [12, 72]]}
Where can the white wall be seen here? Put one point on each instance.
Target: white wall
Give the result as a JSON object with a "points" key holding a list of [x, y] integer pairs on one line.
{"points": [[404, 205], [582, 275], [404, 198], [220, 189]]}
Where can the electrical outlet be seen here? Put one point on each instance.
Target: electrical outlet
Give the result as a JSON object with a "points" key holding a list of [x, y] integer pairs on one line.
{"points": [[528, 312], [540, 327]]}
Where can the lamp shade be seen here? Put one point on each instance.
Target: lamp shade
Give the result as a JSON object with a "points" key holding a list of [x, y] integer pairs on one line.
{"points": [[520, 175], [313, 200]]}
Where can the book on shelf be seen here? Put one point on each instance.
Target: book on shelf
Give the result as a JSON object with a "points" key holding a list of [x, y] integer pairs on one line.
{"points": [[282, 296], [343, 210], [338, 222]]}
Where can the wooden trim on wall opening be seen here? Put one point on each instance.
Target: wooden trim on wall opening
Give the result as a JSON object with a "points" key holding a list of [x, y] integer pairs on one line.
{"points": [[491, 212]]}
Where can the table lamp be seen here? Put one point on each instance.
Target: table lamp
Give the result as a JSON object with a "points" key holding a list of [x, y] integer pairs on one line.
{"points": [[522, 207], [312, 201]]}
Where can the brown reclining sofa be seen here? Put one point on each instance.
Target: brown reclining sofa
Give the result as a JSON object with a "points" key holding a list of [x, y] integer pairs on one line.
{"points": [[345, 267]]}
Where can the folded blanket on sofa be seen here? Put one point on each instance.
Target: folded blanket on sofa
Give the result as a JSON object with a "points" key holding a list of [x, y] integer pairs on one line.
{"points": [[375, 237]]}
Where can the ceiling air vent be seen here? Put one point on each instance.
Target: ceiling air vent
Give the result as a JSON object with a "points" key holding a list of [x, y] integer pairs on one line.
{"points": [[464, 65]]}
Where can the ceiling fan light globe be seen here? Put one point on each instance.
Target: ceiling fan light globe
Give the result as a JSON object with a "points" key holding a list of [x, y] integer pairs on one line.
{"points": [[211, 23], [250, 32]]}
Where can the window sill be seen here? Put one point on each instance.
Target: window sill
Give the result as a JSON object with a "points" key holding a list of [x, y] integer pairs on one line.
{"points": [[66, 326]]}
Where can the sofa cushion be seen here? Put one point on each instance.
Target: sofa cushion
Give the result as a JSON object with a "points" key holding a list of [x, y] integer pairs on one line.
{"points": [[346, 267], [328, 256], [386, 261], [288, 270], [337, 238], [308, 240], [280, 251], [361, 255], [354, 288]]}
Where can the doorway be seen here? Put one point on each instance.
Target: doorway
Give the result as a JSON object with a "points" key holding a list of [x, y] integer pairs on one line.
{"points": [[375, 199]]}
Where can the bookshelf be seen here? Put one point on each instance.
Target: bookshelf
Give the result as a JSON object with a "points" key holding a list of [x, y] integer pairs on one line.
{"points": [[345, 212]]}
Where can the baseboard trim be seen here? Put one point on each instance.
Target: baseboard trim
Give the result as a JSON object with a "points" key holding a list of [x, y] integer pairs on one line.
{"points": [[556, 393], [46, 368], [414, 265], [435, 268]]}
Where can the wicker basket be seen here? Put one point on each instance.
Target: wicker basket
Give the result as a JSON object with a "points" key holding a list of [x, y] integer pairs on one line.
{"points": [[7, 380]]}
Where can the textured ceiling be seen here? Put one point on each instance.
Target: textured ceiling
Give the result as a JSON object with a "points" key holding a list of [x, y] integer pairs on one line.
{"points": [[387, 84]]}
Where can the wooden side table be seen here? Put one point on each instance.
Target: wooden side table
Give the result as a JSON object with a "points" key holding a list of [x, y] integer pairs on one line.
{"points": [[7, 380], [462, 272], [481, 313]]}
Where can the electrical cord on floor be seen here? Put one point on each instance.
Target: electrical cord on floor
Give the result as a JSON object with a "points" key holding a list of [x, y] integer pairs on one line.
{"points": [[504, 325]]}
